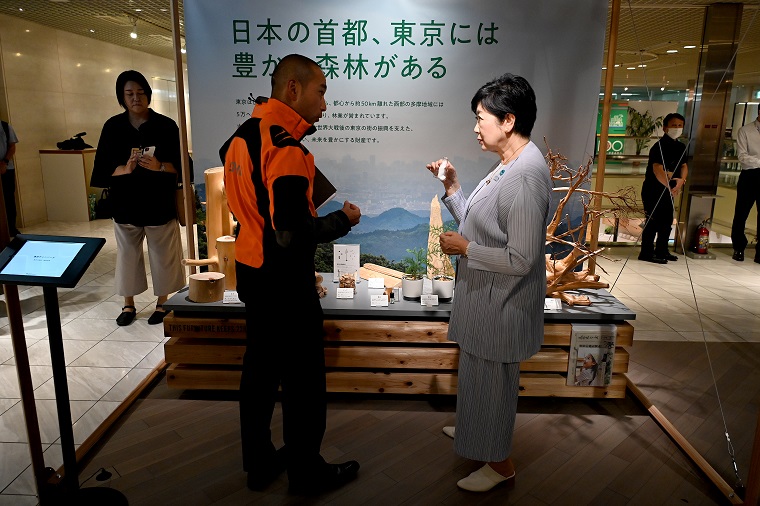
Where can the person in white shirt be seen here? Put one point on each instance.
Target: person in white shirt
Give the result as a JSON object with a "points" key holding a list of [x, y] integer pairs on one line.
{"points": [[748, 187]]}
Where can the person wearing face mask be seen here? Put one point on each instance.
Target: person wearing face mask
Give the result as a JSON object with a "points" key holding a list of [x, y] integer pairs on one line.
{"points": [[748, 187], [665, 176]]}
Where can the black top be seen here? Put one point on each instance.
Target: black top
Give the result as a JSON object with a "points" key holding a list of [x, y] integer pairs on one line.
{"points": [[674, 155], [144, 197]]}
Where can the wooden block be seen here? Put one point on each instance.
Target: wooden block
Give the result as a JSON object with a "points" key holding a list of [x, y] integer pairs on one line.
{"points": [[398, 383], [558, 334], [554, 385], [555, 360], [186, 350], [389, 281], [382, 357], [204, 327], [202, 378], [386, 331]]}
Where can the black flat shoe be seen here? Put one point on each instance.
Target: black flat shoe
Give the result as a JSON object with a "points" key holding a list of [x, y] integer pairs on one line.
{"points": [[260, 480], [669, 257], [157, 316], [331, 477], [653, 259], [738, 256], [126, 317]]}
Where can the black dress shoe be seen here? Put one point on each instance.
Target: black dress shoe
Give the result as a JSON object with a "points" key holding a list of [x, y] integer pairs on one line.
{"points": [[757, 260], [126, 317], [738, 256], [669, 257], [157, 316], [259, 480], [652, 258], [331, 477]]}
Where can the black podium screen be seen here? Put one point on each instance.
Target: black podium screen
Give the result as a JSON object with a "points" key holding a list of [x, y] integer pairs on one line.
{"points": [[47, 260]]}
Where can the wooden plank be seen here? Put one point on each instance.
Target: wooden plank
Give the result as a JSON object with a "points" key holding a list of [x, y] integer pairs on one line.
{"points": [[394, 358], [386, 331], [186, 350], [389, 281], [554, 385], [227, 328], [555, 360], [684, 444], [400, 382], [214, 351], [558, 334]]}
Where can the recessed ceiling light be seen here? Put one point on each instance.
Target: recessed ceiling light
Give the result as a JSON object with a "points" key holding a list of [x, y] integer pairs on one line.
{"points": [[79, 64], [617, 65], [689, 47], [164, 10], [625, 89], [138, 10], [662, 89], [27, 31], [672, 51], [92, 31], [630, 68], [183, 50], [18, 54], [20, 9]]}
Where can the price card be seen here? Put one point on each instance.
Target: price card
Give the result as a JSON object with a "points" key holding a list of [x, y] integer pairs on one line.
{"points": [[344, 293], [552, 304], [376, 283], [231, 297], [429, 299], [378, 300]]}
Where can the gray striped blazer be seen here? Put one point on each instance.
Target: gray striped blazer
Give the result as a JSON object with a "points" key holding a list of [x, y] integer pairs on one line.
{"points": [[498, 309]]}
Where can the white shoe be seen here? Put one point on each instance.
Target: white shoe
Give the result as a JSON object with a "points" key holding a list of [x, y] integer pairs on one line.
{"points": [[449, 431], [482, 480]]}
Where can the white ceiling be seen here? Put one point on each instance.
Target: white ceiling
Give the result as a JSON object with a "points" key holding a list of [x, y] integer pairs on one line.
{"points": [[647, 30]]}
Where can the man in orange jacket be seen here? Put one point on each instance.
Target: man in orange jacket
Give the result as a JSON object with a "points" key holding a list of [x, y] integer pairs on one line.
{"points": [[269, 177]]}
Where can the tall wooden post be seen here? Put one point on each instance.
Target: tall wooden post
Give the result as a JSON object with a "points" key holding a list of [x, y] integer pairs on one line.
{"points": [[607, 104]]}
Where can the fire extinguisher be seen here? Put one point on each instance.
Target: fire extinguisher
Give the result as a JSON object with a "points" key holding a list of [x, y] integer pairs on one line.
{"points": [[703, 238]]}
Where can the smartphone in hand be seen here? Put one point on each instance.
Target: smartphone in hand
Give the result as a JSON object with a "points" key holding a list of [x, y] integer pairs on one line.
{"points": [[149, 151]]}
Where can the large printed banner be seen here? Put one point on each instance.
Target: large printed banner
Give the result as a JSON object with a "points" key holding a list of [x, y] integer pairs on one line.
{"points": [[400, 78]]}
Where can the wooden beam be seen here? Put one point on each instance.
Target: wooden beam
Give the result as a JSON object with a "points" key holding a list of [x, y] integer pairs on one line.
{"points": [[684, 444]]}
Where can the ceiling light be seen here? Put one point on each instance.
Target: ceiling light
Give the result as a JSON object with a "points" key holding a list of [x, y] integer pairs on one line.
{"points": [[92, 31], [662, 89], [642, 65], [138, 10], [630, 68], [134, 29], [604, 68], [627, 94], [672, 51], [20, 9], [625, 89], [183, 50], [133, 34], [689, 47], [617, 65]]}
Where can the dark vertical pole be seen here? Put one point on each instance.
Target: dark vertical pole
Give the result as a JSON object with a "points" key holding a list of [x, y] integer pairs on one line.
{"points": [[55, 338]]}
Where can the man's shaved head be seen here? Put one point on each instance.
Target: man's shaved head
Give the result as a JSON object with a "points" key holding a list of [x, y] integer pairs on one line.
{"points": [[299, 83], [292, 67]]}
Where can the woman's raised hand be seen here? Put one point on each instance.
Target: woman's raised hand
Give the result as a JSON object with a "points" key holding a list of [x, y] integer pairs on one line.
{"points": [[444, 170]]}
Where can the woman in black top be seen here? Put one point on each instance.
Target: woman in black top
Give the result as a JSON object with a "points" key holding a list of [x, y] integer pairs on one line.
{"points": [[138, 159]]}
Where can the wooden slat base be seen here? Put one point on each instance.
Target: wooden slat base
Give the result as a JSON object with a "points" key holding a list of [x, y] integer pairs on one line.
{"points": [[376, 357]]}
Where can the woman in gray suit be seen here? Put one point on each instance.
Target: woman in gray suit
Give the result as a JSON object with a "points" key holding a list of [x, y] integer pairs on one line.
{"points": [[497, 316]]}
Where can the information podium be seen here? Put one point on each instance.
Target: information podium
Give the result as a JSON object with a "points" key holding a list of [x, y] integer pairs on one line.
{"points": [[52, 262]]}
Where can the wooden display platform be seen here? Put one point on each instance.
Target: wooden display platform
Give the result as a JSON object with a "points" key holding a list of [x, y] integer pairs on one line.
{"points": [[377, 356]]}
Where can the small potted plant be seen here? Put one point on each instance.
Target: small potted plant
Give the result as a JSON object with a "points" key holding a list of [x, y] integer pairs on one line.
{"points": [[440, 268], [414, 274]]}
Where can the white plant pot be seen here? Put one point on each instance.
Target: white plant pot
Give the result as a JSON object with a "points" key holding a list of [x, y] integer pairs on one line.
{"points": [[443, 287], [411, 289]]}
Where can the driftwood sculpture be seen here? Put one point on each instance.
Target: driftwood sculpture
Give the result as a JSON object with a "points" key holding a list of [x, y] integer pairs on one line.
{"points": [[560, 272]]}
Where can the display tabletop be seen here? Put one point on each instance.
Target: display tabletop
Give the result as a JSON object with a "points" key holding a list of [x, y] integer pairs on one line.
{"points": [[604, 307]]}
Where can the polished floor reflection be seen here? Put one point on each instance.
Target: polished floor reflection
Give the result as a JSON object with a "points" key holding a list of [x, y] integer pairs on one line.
{"points": [[104, 362], [673, 302]]}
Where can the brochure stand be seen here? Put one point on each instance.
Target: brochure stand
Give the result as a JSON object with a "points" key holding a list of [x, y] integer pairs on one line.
{"points": [[52, 262]]}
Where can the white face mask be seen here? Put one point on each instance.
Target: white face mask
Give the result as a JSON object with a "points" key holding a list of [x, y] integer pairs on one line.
{"points": [[674, 133]]}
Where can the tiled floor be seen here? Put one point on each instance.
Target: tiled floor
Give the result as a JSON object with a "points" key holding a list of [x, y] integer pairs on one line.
{"points": [[673, 302], [104, 361]]}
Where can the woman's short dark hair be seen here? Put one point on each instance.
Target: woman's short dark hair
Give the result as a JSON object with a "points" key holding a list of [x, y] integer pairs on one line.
{"points": [[124, 78], [509, 94]]}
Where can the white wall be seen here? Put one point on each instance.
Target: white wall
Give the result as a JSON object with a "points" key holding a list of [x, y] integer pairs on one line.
{"points": [[58, 84]]}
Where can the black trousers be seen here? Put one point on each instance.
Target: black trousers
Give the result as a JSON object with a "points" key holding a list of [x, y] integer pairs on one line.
{"points": [[658, 210], [747, 195], [284, 348], [9, 194]]}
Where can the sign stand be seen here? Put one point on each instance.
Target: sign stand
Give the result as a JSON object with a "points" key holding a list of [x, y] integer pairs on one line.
{"points": [[52, 262]]}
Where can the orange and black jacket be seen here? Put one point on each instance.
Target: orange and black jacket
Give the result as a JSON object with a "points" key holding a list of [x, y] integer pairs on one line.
{"points": [[268, 177]]}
